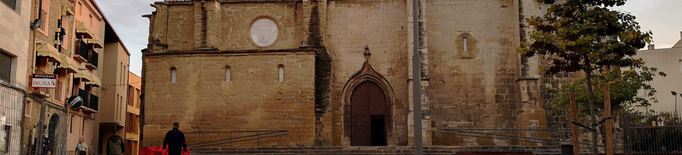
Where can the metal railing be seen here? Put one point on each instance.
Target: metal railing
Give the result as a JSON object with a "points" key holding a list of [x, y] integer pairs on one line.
{"points": [[11, 118], [548, 137], [178, 0], [653, 133], [234, 138]]}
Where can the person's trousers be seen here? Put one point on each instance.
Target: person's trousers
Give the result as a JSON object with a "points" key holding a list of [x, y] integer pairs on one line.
{"points": [[174, 153], [81, 153]]}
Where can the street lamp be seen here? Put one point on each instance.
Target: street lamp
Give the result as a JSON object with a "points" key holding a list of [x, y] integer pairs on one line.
{"points": [[675, 95]]}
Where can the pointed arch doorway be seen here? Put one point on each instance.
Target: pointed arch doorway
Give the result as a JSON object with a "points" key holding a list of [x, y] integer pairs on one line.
{"points": [[368, 118]]}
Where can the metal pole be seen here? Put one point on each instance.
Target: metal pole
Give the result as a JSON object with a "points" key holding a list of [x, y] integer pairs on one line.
{"points": [[41, 120], [416, 80], [676, 104], [23, 123]]}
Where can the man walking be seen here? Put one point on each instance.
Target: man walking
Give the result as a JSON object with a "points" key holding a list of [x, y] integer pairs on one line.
{"points": [[81, 147], [175, 140], [115, 145]]}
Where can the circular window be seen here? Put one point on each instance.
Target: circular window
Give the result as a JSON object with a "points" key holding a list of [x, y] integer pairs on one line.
{"points": [[264, 32]]}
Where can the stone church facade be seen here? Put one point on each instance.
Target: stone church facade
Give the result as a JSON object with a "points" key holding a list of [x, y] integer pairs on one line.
{"points": [[338, 72]]}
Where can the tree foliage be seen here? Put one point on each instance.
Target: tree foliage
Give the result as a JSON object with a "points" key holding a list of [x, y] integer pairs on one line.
{"points": [[627, 88], [585, 35]]}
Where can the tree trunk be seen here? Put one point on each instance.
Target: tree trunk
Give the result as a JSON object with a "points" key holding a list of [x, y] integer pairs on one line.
{"points": [[590, 99]]}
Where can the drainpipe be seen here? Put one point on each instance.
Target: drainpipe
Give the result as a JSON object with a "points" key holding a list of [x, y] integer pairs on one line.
{"points": [[127, 85]]}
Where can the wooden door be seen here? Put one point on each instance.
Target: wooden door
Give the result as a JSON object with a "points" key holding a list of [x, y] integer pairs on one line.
{"points": [[367, 100]]}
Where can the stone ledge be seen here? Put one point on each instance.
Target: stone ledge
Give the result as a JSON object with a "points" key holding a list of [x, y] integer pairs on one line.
{"points": [[253, 51]]}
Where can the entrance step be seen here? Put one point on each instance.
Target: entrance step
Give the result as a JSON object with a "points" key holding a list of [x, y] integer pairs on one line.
{"points": [[371, 150]]}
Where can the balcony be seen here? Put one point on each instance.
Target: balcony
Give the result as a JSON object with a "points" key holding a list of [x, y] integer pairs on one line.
{"points": [[94, 102], [90, 101], [82, 52], [94, 60]]}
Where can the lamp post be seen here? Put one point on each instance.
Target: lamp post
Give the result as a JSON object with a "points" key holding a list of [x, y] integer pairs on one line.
{"points": [[675, 95], [416, 81], [676, 115]]}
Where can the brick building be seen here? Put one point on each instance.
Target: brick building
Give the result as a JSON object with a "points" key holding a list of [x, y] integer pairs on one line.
{"points": [[67, 44], [67, 39], [338, 72]]}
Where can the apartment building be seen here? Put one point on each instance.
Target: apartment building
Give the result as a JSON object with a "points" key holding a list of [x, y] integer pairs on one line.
{"points": [[115, 98], [669, 61], [133, 115], [67, 42], [15, 20]]}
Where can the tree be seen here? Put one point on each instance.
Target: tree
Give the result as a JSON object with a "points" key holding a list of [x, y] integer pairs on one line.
{"points": [[625, 89], [585, 35]]}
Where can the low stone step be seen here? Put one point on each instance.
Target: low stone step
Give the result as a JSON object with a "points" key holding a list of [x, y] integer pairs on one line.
{"points": [[392, 150]]}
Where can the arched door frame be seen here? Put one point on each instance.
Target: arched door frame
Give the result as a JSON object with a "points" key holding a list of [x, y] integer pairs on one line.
{"points": [[52, 132], [368, 74]]}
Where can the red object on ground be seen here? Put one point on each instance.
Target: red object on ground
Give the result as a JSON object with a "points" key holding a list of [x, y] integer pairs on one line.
{"points": [[157, 150]]}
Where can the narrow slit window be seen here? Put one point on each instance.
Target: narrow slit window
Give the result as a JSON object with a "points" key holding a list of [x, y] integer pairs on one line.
{"points": [[281, 73], [71, 124], [174, 75], [228, 74], [465, 44], [83, 128]]}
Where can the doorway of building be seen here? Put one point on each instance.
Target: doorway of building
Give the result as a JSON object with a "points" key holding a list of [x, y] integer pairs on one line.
{"points": [[51, 133], [368, 115]]}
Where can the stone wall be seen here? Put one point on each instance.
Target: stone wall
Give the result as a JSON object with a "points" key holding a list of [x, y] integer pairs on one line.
{"points": [[237, 19], [476, 88], [380, 28], [203, 101], [339, 42], [181, 27]]}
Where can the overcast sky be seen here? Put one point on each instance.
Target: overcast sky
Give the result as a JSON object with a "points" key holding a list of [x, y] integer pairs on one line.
{"points": [[662, 17]]}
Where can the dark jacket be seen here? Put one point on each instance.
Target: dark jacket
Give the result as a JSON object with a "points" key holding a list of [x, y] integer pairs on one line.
{"points": [[115, 145], [175, 140]]}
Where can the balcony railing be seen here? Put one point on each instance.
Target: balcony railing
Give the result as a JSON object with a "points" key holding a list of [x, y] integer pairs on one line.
{"points": [[84, 95], [90, 101], [94, 102], [94, 60], [83, 52]]}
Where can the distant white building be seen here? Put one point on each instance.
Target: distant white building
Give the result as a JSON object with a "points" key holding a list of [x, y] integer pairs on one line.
{"points": [[668, 60]]}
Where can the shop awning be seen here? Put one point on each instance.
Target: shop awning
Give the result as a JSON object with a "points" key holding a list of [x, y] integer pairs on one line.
{"points": [[66, 10], [46, 50], [95, 42], [68, 63], [90, 78], [95, 81], [85, 75], [82, 29]]}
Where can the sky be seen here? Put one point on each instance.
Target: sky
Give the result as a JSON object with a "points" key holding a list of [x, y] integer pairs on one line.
{"points": [[662, 17]]}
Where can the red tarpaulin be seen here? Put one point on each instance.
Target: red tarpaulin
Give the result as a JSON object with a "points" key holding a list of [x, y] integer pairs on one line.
{"points": [[156, 150]]}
